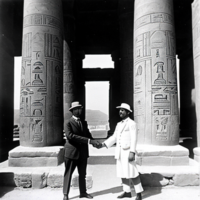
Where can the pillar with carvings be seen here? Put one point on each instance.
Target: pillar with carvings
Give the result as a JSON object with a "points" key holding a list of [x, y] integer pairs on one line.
{"points": [[68, 59], [196, 57], [41, 113], [155, 78]]}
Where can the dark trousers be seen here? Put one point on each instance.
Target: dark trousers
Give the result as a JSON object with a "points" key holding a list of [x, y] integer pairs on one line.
{"points": [[70, 166]]}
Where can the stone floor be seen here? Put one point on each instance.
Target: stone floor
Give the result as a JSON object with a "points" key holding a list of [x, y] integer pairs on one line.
{"points": [[105, 185], [110, 192]]}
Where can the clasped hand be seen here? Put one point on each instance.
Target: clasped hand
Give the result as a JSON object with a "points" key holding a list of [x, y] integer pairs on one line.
{"points": [[96, 143]]}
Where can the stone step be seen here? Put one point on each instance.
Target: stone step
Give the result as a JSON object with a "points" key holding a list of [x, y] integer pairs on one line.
{"points": [[97, 174], [147, 155]]}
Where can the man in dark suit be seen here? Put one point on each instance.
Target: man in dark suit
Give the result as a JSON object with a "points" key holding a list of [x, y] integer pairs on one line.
{"points": [[76, 150]]}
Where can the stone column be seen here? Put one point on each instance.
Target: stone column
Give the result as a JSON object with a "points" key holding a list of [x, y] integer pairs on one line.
{"points": [[196, 57], [68, 87], [41, 113], [155, 79], [126, 51], [68, 59]]}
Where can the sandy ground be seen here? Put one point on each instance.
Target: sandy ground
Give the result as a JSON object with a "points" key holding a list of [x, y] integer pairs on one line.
{"points": [[111, 193]]}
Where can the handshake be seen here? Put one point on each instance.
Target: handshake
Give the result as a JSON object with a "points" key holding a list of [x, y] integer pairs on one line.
{"points": [[97, 144]]}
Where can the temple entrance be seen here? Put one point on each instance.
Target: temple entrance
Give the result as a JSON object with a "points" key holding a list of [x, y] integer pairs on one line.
{"points": [[97, 74], [97, 108]]}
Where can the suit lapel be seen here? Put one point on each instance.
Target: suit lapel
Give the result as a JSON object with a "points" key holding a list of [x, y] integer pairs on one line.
{"points": [[123, 126], [73, 121]]}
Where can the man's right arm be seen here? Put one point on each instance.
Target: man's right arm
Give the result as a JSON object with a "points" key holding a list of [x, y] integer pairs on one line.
{"points": [[70, 135]]}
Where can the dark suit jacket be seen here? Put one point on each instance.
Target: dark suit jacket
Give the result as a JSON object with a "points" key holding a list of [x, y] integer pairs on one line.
{"points": [[76, 145]]}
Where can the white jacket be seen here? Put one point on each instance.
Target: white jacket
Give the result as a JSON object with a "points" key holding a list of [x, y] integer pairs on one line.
{"points": [[125, 137]]}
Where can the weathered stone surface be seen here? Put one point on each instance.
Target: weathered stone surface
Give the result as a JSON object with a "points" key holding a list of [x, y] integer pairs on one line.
{"points": [[21, 151], [156, 160], [155, 80], [42, 74], [179, 161], [68, 82], [39, 179], [55, 178], [153, 155], [186, 179], [23, 180], [36, 157], [33, 162], [153, 150], [75, 181]]}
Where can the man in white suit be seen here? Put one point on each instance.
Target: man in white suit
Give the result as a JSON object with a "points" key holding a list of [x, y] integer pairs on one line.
{"points": [[125, 137]]}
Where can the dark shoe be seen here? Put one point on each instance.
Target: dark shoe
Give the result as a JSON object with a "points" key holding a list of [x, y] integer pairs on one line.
{"points": [[139, 196], [65, 197], [85, 195], [125, 195]]}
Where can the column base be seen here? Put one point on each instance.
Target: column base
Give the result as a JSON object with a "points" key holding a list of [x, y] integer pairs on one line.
{"points": [[197, 154], [151, 155], [36, 157]]}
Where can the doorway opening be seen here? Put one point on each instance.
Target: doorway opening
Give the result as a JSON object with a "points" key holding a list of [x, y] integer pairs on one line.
{"points": [[98, 61], [97, 108]]}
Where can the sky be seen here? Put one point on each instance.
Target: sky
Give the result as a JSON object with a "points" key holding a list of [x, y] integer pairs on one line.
{"points": [[97, 93]]}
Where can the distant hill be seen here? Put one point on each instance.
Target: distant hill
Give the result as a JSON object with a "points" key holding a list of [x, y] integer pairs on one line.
{"points": [[96, 117]]}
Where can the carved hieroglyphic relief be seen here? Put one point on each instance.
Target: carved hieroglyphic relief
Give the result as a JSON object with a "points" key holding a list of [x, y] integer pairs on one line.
{"points": [[53, 45], [155, 85], [23, 180], [27, 45], [41, 19], [41, 76], [154, 18], [161, 128], [36, 129]]}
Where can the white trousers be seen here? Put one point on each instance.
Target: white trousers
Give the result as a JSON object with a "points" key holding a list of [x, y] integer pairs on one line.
{"points": [[136, 183]]}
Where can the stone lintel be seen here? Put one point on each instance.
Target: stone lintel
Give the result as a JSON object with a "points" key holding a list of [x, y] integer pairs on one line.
{"points": [[152, 155], [36, 157]]}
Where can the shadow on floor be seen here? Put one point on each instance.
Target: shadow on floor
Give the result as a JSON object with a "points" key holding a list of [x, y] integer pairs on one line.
{"points": [[4, 190], [148, 191], [103, 192], [151, 191]]}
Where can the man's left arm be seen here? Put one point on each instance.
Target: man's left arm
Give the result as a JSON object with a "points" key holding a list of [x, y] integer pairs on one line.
{"points": [[133, 134]]}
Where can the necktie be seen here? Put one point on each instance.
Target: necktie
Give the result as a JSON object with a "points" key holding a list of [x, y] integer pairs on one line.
{"points": [[80, 124]]}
